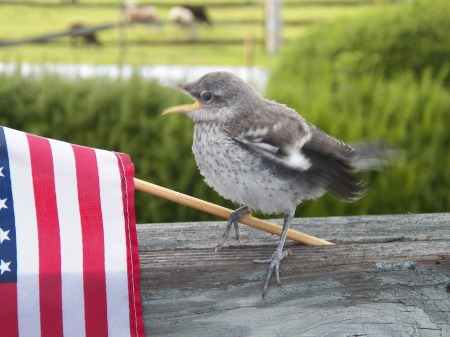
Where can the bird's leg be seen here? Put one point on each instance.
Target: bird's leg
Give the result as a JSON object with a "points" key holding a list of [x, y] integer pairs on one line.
{"points": [[233, 220], [279, 253]]}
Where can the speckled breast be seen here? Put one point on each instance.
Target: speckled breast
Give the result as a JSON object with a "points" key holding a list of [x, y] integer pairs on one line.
{"points": [[242, 176]]}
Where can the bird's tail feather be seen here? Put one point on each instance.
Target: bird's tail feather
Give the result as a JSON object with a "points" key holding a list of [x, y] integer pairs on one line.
{"points": [[374, 156], [339, 178]]}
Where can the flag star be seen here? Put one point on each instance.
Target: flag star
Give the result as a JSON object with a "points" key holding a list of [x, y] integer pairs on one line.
{"points": [[1, 172], [4, 266], [3, 203], [4, 235]]}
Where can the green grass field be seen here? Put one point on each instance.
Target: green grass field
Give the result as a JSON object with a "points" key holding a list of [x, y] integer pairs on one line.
{"points": [[144, 45]]}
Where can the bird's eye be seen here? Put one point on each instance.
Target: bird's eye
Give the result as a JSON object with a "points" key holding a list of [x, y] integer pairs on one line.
{"points": [[206, 96]]}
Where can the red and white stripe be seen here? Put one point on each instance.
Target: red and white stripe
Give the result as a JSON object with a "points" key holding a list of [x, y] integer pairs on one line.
{"points": [[78, 270]]}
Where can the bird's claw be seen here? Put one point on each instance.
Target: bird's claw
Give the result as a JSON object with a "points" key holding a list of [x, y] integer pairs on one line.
{"points": [[274, 264], [227, 233], [233, 220], [236, 228]]}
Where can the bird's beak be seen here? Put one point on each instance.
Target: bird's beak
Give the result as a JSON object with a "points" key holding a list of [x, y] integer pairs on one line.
{"points": [[182, 108]]}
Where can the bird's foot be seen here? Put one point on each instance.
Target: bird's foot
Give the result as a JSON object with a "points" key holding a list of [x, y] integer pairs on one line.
{"points": [[274, 264], [233, 220]]}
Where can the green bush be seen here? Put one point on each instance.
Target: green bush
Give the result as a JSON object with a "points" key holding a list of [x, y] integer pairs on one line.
{"points": [[385, 41], [117, 115], [382, 75]]}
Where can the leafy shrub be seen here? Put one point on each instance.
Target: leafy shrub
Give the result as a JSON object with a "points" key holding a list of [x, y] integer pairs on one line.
{"points": [[117, 115], [386, 41], [382, 75]]}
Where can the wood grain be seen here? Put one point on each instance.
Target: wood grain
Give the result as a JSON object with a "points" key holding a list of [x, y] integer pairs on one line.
{"points": [[386, 276]]}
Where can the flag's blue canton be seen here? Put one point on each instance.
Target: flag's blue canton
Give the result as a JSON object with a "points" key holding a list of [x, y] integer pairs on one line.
{"points": [[8, 249]]}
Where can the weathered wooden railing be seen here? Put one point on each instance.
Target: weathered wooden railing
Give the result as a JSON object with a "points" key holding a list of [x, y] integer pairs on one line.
{"points": [[386, 276]]}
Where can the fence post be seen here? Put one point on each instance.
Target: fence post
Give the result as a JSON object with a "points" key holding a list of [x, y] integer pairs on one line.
{"points": [[122, 32], [273, 25]]}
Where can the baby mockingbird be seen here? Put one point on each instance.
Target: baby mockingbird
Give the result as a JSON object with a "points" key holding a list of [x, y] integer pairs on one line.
{"points": [[265, 156]]}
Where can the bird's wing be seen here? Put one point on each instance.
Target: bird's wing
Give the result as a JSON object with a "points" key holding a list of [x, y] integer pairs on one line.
{"points": [[333, 163], [364, 156], [323, 144], [277, 139], [297, 145]]}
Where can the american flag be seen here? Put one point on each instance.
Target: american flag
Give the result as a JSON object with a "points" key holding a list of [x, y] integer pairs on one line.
{"points": [[69, 262]]}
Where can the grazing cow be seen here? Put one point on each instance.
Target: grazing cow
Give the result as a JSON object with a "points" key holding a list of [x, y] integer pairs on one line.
{"points": [[181, 16], [79, 32], [199, 13], [188, 17], [141, 14]]}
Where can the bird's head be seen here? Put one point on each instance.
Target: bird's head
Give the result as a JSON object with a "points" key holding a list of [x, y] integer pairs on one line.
{"points": [[219, 96]]}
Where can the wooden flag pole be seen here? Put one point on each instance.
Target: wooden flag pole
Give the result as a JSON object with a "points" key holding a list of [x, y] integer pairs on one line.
{"points": [[223, 212]]}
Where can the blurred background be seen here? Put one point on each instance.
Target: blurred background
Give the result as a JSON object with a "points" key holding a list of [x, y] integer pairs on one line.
{"points": [[91, 72]]}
